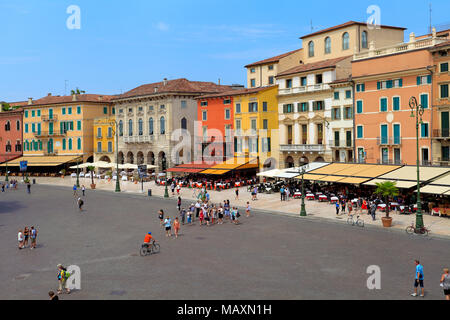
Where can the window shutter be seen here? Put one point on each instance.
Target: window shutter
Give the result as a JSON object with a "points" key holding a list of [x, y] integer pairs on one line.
{"points": [[235, 144], [389, 84], [378, 85], [418, 81], [400, 82], [249, 107], [61, 129], [429, 78]]}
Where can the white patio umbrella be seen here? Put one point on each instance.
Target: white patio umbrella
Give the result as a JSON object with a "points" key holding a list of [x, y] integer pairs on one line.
{"points": [[81, 166], [101, 164]]}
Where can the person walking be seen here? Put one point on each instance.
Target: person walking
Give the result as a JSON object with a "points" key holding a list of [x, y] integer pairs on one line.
{"points": [[62, 278], [418, 279], [20, 239], [172, 186], [247, 210], [176, 227], [28, 187], [282, 193], [350, 207], [33, 237], [168, 226], [183, 215], [445, 283], [373, 210], [26, 235], [80, 203], [74, 190], [83, 190], [343, 206], [178, 189], [179, 204], [192, 210], [161, 217], [237, 193], [197, 209], [3, 187]]}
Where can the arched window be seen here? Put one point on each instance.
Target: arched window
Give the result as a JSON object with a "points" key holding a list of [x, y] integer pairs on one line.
{"points": [[345, 41], [8, 146], [327, 45], [150, 126], [64, 144], [121, 128], [364, 42], [184, 123], [141, 127], [162, 125], [130, 127], [311, 49]]}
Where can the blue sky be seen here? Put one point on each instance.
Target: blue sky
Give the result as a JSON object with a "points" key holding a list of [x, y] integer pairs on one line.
{"points": [[123, 44]]}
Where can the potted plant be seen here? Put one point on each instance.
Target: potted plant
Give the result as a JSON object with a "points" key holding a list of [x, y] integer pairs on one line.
{"points": [[386, 190], [136, 177], [91, 169], [63, 173], [109, 174]]}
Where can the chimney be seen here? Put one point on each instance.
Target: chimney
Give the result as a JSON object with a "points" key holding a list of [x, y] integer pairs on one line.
{"points": [[74, 97], [30, 101], [412, 37], [49, 94], [165, 81], [100, 98]]}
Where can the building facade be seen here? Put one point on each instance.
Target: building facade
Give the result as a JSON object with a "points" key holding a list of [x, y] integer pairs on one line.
{"points": [[149, 118], [63, 125], [385, 80], [104, 139], [11, 134]]}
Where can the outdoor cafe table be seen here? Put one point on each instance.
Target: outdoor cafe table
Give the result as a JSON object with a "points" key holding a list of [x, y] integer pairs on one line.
{"points": [[334, 199], [310, 196], [323, 198], [297, 195]]}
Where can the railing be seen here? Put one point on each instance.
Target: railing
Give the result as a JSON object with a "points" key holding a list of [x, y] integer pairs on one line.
{"points": [[44, 134], [139, 139], [46, 117], [340, 143], [441, 133], [302, 148], [314, 87], [389, 161], [389, 141]]}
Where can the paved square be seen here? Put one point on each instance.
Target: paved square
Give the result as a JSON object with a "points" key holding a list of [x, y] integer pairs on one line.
{"points": [[266, 257]]}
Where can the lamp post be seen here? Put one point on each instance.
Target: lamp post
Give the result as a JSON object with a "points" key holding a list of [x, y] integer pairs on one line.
{"points": [[417, 111], [6, 163], [303, 209], [78, 173], [166, 190], [116, 132]]}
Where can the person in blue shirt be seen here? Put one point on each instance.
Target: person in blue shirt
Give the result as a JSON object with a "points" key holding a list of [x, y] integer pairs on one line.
{"points": [[74, 189], [419, 279], [337, 208]]}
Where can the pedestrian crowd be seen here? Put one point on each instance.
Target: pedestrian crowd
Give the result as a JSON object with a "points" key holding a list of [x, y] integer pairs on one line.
{"points": [[25, 235]]}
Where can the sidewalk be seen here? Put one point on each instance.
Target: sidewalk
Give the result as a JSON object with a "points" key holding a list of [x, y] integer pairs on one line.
{"points": [[266, 202]]}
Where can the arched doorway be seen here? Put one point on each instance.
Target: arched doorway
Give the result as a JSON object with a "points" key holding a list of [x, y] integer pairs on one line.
{"points": [[151, 158], [162, 161], [130, 157], [319, 159], [289, 162], [303, 160], [105, 159], [120, 158], [90, 159], [140, 158]]}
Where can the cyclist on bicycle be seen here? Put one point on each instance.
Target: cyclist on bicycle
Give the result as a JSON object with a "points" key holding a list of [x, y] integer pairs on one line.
{"points": [[148, 239]]}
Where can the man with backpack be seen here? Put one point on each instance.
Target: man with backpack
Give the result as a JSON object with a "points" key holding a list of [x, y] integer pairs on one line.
{"points": [[63, 275], [80, 203]]}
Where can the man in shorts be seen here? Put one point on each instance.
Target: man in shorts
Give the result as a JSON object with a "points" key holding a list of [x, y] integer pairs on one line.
{"points": [[419, 279], [33, 236]]}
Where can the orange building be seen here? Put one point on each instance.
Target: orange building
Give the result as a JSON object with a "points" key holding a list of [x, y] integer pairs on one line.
{"points": [[385, 80]]}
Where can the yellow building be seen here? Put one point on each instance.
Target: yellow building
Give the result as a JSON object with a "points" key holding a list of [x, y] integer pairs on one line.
{"points": [[104, 139], [59, 129], [256, 125]]}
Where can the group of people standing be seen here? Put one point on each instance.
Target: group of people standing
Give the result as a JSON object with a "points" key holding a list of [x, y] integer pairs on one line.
{"points": [[25, 235]]}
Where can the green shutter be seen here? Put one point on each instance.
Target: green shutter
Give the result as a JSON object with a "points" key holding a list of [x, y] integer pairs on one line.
{"points": [[70, 144], [429, 79], [389, 84], [418, 81], [424, 100], [79, 143], [359, 106], [378, 85], [78, 125], [400, 82], [383, 106], [268, 144], [363, 87], [396, 103], [64, 144]]}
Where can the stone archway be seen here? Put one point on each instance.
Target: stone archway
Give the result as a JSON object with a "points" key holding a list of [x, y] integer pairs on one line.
{"points": [[105, 159], [319, 159], [140, 158], [150, 158], [130, 157], [162, 161], [289, 162], [303, 160], [120, 158]]}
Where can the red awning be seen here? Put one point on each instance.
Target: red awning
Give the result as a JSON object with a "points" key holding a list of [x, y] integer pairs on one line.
{"points": [[191, 167]]}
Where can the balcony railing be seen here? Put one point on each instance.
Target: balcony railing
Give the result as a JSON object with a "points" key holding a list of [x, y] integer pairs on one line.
{"points": [[340, 143], [139, 139], [311, 88], [441, 133], [389, 141], [47, 118], [44, 134], [302, 148], [389, 161]]}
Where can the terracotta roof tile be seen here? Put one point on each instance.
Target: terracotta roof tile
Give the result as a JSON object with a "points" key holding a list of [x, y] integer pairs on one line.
{"points": [[273, 59], [69, 99], [235, 92], [313, 66], [175, 86]]}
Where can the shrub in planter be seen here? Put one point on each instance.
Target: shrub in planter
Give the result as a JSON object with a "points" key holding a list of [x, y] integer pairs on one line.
{"points": [[386, 190]]}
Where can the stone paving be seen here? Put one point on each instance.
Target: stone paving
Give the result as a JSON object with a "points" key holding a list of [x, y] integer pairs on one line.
{"points": [[271, 202]]}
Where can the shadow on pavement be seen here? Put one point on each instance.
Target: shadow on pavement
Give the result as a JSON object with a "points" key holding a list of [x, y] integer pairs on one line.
{"points": [[10, 206]]}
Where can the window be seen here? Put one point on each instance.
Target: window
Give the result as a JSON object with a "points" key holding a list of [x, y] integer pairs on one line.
{"points": [[311, 49], [252, 70], [204, 103], [238, 124], [444, 90], [18, 125], [253, 145], [359, 106], [130, 110], [78, 125], [26, 127], [99, 146], [288, 108], [8, 146], [348, 94], [383, 104], [265, 144], [318, 78], [336, 95], [39, 113], [109, 132], [70, 143], [26, 113], [270, 67], [303, 81], [384, 134], [63, 111], [252, 83], [162, 125], [360, 87], [113, 110], [253, 124], [444, 67], [423, 80], [424, 100], [265, 124], [150, 108], [227, 101], [150, 126], [348, 113], [227, 114], [162, 107], [327, 45], [105, 110], [318, 105], [121, 128], [69, 110], [184, 124], [204, 115], [183, 104], [288, 83], [364, 41], [64, 144], [78, 110], [99, 132], [396, 103], [33, 113], [265, 106], [253, 107], [238, 108], [271, 80], [141, 127], [8, 126], [424, 130], [336, 114], [130, 128], [303, 107], [359, 132], [110, 146], [345, 41]]}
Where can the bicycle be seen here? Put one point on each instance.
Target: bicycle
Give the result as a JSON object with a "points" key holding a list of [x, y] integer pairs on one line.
{"points": [[355, 222], [412, 229], [147, 249]]}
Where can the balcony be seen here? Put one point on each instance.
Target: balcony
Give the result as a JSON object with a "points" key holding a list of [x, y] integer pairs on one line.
{"points": [[340, 143], [303, 89], [46, 118], [302, 148], [47, 134], [389, 141], [441, 133], [139, 139], [389, 161]]}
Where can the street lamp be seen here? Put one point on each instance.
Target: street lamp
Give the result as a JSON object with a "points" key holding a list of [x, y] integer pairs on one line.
{"points": [[302, 171], [78, 173], [6, 164], [114, 125], [166, 190], [417, 111]]}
